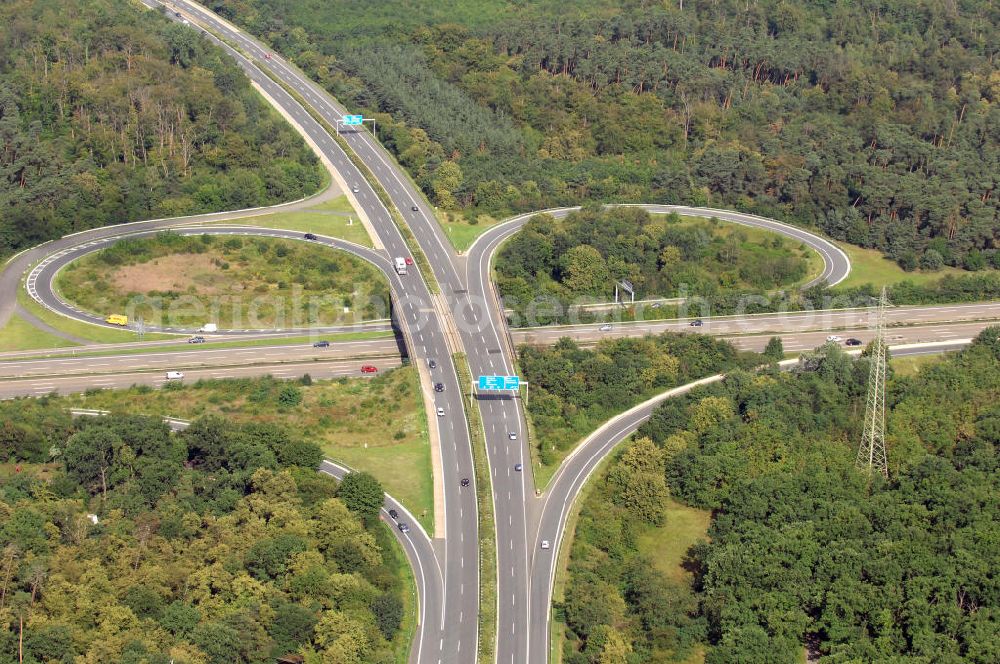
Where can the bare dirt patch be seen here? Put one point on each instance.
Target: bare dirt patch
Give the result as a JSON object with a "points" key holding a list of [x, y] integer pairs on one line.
{"points": [[178, 272]]}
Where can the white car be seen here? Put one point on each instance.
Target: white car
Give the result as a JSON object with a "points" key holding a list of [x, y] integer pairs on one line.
{"points": [[606, 327], [833, 338], [440, 411], [545, 544], [174, 375], [355, 189], [512, 435]]}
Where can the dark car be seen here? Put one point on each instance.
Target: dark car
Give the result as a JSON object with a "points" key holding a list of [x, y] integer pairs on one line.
{"points": [[196, 340], [309, 236], [394, 514], [321, 344], [696, 323], [465, 481], [517, 467], [853, 342], [432, 364], [403, 528], [439, 387], [415, 208]]}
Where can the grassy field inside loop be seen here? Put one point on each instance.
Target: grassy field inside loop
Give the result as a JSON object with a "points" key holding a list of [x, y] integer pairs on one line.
{"points": [[236, 282]]}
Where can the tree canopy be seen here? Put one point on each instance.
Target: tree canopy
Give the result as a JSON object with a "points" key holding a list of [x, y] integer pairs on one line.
{"points": [[805, 553], [110, 113], [876, 122], [122, 541]]}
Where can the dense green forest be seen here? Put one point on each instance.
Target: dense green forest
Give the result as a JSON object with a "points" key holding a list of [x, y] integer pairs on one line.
{"points": [[804, 551], [876, 122], [121, 541], [574, 390], [580, 257], [110, 113]]}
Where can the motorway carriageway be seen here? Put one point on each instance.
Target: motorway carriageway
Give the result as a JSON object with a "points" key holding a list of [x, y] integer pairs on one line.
{"points": [[39, 386]]}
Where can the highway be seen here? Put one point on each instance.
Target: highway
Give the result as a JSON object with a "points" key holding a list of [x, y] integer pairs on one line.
{"points": [[67, 384], [465, 316], [779, 323]]}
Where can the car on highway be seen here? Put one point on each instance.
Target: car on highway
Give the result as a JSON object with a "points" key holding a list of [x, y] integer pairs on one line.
{"points": [[368, 369], [432, 364], [177, 14], [833, 339], [518, 467], [355, 189], [309, 236], [415, 208], [393, 514], [409, 260], [512, 435], [465, 481], [403, 528], [696, 323], [196, 340], [545, 544], [174, 375], [117, 319], [322, 344], [439, 387], [606, 327], [852, 342], [440, 411]]}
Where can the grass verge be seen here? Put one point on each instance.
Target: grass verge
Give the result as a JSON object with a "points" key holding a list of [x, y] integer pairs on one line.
{"points": [[461, 233], [910, 365], [19, 334], [870, 266], [408, 625], [329, 218], [377, 425], [487, 532], [95, 333]]}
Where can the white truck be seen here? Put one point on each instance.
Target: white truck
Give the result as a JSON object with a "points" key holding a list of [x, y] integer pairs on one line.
{"points": [[209, 327], [400, 265]]}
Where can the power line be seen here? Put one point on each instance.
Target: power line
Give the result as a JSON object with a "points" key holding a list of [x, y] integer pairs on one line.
{"points": [[871, 453]]}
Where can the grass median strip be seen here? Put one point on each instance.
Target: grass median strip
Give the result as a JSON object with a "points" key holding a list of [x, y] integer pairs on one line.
{"points": [[487, 531]]}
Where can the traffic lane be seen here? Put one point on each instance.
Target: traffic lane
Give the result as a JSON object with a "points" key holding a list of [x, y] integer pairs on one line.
{"points": [[501, 416], [33, 387], [40, 280], [360, 351], [829, 319], [417, 546], [383, 223], [797, 342]]}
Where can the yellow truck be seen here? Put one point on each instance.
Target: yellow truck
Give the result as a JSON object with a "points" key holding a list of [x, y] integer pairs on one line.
{"points": [[117, 319]]}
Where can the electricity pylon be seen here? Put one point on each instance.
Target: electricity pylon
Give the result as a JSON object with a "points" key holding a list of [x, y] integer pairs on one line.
{"points": [[871, 454]]}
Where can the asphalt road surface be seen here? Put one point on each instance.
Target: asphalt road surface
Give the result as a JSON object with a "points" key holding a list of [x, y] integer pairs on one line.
{"points": [[67, 384], [467, 313], [40, 281]]}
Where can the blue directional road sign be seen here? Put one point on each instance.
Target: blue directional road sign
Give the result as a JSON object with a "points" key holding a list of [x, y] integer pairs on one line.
{"points": [[499, 382], [352, 119]]}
